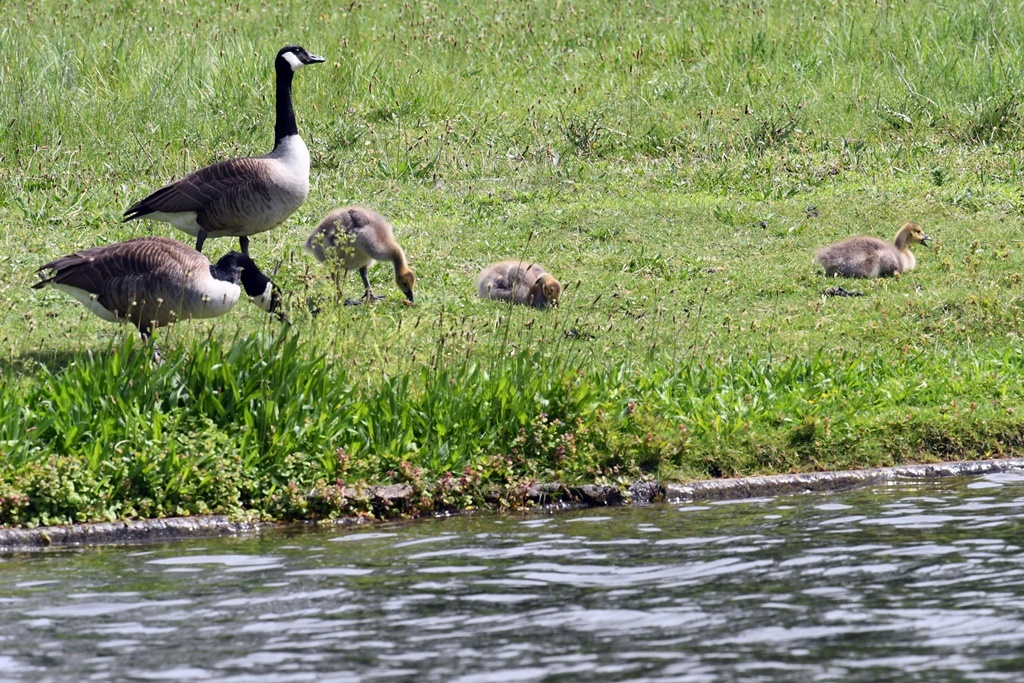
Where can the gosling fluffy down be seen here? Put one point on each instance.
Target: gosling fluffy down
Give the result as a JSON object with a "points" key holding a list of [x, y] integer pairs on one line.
{"points": [[355, 238], [867, 257], [520, 283]]}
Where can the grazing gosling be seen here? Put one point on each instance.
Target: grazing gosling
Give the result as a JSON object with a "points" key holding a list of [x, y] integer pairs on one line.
{"points": [[867, 257], [245, 196], [154, 281], [355, 238], [519, 283]]}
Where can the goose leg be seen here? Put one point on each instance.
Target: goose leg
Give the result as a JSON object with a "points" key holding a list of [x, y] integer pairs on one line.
{"points": [[369, 295], [146, 332], [200, 238], [243, 242]]}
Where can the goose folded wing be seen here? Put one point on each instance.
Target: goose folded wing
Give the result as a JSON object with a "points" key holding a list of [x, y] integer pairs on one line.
{"points": [[93, 269], [217, 184]]}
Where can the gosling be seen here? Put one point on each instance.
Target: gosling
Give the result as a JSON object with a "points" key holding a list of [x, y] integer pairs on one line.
{"points": [[355, 238], [519, 283], [869, 257]]}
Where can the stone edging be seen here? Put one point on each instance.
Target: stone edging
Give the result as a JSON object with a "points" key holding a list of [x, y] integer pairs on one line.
{"points": [[73, 535], [783, 484], [592, 495]]}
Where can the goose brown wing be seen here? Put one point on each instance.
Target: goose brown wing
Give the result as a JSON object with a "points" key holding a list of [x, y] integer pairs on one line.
{"points": [[213, 187], [114, 272]]}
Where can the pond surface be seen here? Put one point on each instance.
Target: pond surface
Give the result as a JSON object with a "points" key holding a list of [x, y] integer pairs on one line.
{"points": [[911, 582]]}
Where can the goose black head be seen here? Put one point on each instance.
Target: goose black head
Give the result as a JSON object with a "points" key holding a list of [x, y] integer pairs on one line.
{"points": [[294, 57]]}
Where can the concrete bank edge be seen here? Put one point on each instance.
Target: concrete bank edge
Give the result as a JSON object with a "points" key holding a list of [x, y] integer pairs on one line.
{"points": [[592, 495]]}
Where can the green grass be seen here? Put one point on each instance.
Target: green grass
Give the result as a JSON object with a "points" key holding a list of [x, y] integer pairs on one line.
{"points": [[675, 165]]}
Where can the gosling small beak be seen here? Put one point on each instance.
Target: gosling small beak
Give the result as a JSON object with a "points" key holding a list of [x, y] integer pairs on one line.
{"points": [[409, 297], [925, 239]]}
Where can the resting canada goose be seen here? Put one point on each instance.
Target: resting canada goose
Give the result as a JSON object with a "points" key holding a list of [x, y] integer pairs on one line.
{"points": [[241, 197], [153, 281], [865, 256], [520, 283], [354, 238]]}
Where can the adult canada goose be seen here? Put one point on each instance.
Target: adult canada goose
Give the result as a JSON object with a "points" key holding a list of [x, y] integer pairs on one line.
{"points": [[241, 197], [154, 281], [354, 238], [865, 256], [519, 282]]}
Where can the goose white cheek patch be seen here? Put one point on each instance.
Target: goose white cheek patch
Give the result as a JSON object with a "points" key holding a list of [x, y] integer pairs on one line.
{"points": [[265, 299], [294, 61]]}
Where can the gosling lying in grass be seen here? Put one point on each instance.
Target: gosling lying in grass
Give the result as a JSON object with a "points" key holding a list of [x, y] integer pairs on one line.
{"points": [[354, 238], [865, 256], [520, 283]]}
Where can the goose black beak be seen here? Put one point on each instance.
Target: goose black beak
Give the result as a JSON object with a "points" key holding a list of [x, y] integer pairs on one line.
{"points": [[316, 59]]}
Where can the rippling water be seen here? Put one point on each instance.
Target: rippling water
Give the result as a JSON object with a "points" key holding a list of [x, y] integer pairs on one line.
{"points": [[913, 582]]}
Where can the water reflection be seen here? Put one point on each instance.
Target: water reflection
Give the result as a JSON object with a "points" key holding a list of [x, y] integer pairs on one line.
{"points": [[916, 582]]}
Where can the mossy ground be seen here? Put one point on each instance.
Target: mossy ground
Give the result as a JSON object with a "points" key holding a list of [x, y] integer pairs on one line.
{"points": [[675, 165]]}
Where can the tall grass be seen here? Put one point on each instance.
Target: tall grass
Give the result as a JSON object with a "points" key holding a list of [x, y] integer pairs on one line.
{"points": [[225, 426]]}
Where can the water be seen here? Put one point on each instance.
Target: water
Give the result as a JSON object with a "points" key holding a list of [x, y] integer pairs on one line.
{"points": [[915, 582]]}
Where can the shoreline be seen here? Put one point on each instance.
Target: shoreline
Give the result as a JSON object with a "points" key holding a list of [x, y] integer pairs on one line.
{"points": [[14, 540]]}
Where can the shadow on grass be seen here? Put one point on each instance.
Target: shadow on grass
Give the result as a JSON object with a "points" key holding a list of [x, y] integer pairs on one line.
{"points": [[56, 360]]}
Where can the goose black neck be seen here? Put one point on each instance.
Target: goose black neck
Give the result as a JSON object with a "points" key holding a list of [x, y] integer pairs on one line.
{"points": [[285, 124], [227, 267], [254, 282]]}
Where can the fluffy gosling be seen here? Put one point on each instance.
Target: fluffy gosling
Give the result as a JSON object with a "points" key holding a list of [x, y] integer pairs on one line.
{"points": [[519, 283], [867, 257], [354, 238]]}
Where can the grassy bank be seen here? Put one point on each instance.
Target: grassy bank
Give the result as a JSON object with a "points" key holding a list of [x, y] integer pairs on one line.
{"points": [[676, 166]]}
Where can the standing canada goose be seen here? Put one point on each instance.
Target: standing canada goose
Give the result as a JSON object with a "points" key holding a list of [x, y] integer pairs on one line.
{"points": [[241, 197], [154, 281], [865, 256], [520, 283], [354, 238]]}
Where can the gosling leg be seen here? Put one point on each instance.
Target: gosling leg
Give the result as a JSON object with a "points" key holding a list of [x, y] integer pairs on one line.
{"points": [[369, 296]]}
